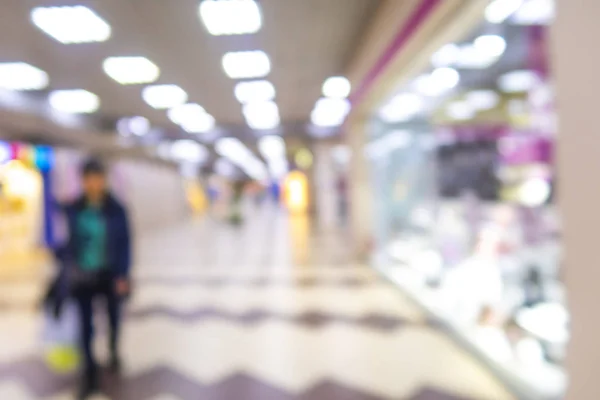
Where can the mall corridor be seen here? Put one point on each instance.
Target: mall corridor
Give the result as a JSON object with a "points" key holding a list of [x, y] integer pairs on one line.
{"points": [[265, 311]]}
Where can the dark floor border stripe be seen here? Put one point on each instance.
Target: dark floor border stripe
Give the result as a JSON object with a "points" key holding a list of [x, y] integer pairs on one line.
{"points": [[218, 282], [311, 319], [33, 374]]}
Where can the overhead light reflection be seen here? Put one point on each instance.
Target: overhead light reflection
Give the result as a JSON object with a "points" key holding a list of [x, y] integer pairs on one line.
{"points": [[246, 64], [188, 151], [499, 10], [230, 17], [491, 45], [337, 87], [131, 70], [330, 112], [22, 76], [402, 108], [261, 115], [164, 96], [518, 81], [68, 25], [482, 99], [254, 91], [77, 101]]}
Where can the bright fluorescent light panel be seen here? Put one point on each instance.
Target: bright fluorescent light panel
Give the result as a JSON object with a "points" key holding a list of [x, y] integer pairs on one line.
{"points": [[69, 25], [330, 112], [336, 87], [254, 91], [22, 76], [517, 81], [77, 101], [230, 17], [264, 115], [188, 151], [499, 10], [164, 96], [402, 108], [535, 12], [131, 70], [192, 118], [246, 64]]}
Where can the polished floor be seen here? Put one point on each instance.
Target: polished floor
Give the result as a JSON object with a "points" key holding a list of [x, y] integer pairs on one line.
{"points": [[268, 311]]}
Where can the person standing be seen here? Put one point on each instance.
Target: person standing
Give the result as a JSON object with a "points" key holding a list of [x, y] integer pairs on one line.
{"points": [[99, 257]]}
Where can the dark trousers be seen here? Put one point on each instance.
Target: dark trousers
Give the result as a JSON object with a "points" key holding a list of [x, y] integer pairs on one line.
{"points": [[103, 287]]}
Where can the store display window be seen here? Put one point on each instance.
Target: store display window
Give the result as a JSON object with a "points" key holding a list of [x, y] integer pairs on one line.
{"points": [[23, 198], [465, 215]]}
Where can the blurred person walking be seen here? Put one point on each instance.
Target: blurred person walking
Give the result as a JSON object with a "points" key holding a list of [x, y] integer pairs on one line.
{"points": [[98, 253]]}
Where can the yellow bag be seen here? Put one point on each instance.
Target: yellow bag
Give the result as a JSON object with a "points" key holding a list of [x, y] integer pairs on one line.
{"points": [[62, 359], [60, 338]]}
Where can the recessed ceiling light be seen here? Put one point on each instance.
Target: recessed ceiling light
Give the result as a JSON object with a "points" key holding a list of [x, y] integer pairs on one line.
{"points": [[138, 126], [446, 56], [180, 113], [230, 17], [76, 24], [402, 108], [482, 99], [535, 12], [254, 91], [445, 77], [235, 151], [336, 87], [77, 101], [330, 112], [499, 10], [131, 70], [271, 146], [199, 124], [246, 64], [188, 151], [473, 58], [460, 110], [164, 96], [273, 150], [517, 81], [334, 106], [22, 76], [491, 45], [264, 115], [438, 82], [192, 118]]}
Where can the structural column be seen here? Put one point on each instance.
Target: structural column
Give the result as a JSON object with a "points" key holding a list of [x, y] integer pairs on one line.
{"points": [[359, 187], [577, 70], [325, 186]]}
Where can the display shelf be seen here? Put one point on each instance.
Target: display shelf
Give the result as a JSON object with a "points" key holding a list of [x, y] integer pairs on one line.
{"points": [[539, 380]]}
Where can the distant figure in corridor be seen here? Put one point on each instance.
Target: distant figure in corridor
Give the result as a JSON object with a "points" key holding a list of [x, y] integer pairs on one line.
{"points": [[98, 254]]}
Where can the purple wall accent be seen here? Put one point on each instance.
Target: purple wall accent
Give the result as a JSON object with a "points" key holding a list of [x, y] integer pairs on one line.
{"points": [[405, 32], [527, 149], [538, 50]]}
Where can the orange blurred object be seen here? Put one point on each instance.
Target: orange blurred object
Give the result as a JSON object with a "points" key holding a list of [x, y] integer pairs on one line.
{"points": [[295, 189]]}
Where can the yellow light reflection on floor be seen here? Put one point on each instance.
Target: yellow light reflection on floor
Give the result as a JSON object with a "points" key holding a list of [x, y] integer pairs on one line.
{"points": [[300, 238], [296, 192]]}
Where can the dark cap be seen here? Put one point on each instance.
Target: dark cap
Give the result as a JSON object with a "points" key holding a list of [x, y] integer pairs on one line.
{"points": [[93, 166]]}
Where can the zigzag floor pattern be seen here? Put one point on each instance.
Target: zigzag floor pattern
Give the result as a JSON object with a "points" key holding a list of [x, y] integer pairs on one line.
{"points": [[259, 313]]}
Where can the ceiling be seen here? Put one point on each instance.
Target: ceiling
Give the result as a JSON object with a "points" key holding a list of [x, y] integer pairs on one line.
{"points": [[516, 57], [307, 41]]}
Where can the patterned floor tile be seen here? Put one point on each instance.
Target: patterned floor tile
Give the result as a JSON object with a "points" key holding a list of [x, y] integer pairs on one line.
{"points": [[270, 311]]}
